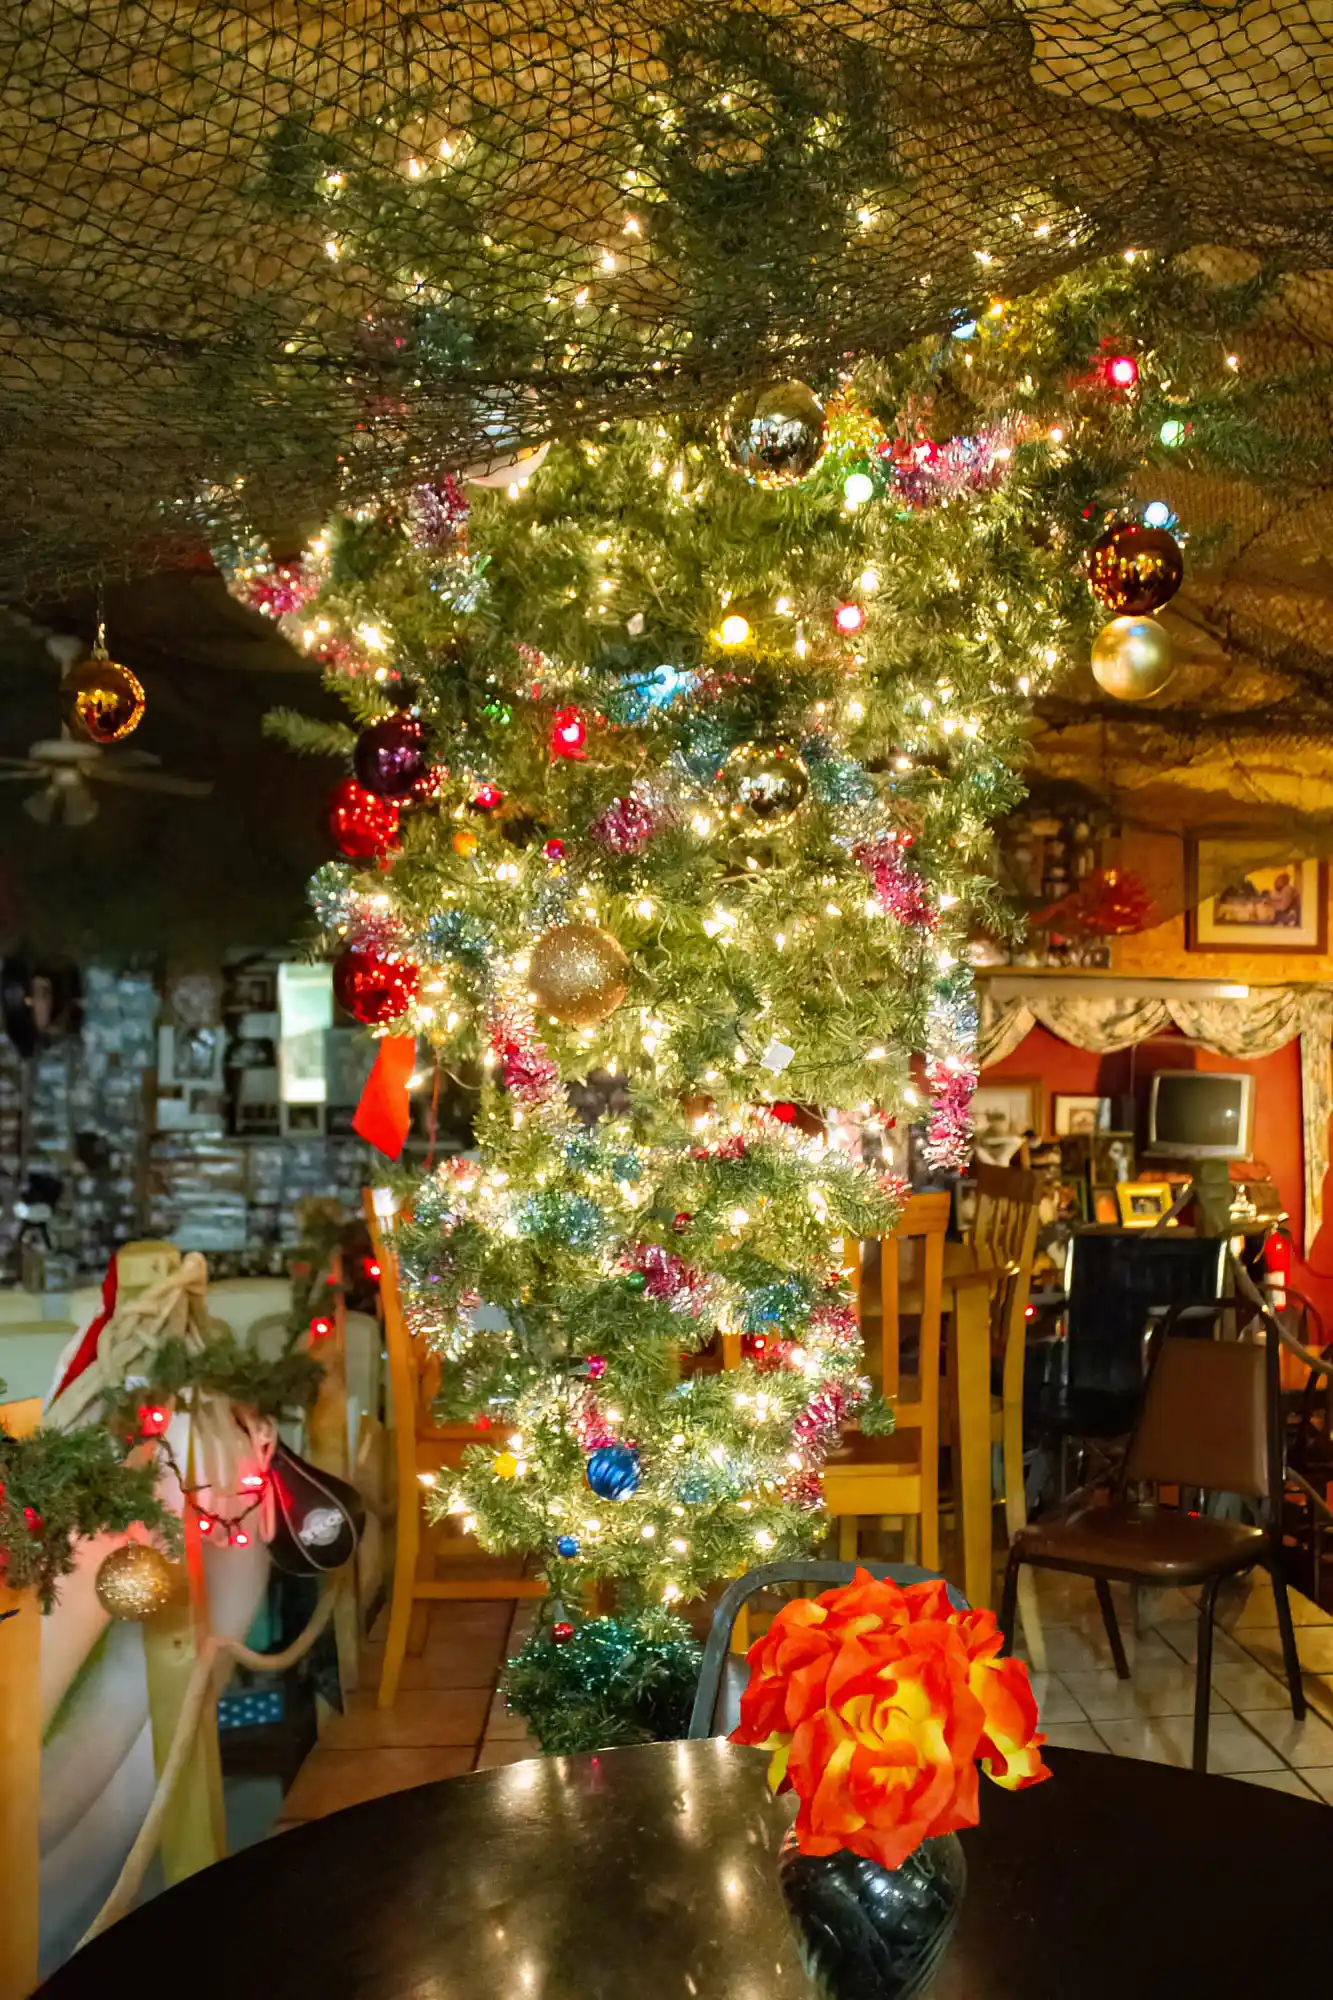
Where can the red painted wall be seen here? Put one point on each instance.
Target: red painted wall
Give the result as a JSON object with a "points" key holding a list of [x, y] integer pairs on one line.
{"points": [[1277, 1119]]}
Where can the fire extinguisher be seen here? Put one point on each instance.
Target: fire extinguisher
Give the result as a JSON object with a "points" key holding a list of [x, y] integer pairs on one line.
{"points": [[1277, 1268]]}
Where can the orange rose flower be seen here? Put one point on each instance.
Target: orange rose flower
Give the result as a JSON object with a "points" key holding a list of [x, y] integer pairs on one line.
{"points": [[878, 1702]]}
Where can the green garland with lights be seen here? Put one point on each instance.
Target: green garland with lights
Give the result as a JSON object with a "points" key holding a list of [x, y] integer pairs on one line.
{"points": [[609, 1681], [589, 660]]}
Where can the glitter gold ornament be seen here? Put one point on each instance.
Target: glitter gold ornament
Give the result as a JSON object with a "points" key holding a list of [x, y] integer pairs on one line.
{"points": [[136, 1580], [1131, 658], [775, 436], [764, 781], [578, 973], [101, 701], [464, 842], [1134, 570]]}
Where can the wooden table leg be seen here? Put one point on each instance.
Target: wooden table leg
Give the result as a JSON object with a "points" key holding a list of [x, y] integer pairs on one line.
{"points": [[972, 1461]]}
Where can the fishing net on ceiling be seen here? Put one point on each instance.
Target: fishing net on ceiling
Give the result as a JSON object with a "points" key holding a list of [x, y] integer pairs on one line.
{"points": [[303, 251]]}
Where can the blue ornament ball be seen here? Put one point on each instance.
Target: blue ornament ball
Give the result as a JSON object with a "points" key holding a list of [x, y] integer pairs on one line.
{"points": [[613, 1471], [567, 1545]]}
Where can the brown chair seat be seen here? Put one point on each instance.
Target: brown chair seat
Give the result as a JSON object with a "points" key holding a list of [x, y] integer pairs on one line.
{"points": [[1134, 1542], [854, 1448]]}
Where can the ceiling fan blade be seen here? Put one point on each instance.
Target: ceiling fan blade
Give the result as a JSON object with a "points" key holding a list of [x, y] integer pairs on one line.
{"points": [[150, 781], [10, 773]]}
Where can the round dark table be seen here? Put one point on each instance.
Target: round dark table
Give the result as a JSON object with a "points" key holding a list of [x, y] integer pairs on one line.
{"points": [[650, 1872]]}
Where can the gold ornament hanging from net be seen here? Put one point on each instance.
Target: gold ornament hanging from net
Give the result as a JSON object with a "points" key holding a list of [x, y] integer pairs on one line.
{"points": [[1131, 658], [578, 974]]}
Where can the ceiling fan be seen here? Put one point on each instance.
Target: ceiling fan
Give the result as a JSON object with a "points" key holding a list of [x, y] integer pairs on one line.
{"points": [[66, 766]]}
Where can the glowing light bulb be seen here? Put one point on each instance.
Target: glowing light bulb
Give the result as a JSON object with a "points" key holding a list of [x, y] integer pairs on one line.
{"points": [[1172, 433], [1156, 514], [1122, 371], [857, 488], [849, 618], [734, 630]]}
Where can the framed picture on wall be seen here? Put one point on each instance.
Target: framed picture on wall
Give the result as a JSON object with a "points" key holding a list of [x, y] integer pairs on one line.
{"points": [[1244, 896], [1073, 1115], [1002, 1114], [1143, 1203]]}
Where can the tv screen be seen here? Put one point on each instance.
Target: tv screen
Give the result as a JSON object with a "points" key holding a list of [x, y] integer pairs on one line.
{"points": [[1206, 1116]]}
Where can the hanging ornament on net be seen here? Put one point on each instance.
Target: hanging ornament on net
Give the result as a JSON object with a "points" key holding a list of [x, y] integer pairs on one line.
{"points": [[390, 757], [776, 436], [362, 826], [374, 986], [317, 1519], [101, 701], [764, 781], [578, 973], [135, 1581], [613, 1471], [1131, 658], [1134, 570]]}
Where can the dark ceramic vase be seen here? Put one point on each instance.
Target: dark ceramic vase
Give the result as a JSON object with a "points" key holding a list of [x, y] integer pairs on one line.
{"points": [[872, 1933]]}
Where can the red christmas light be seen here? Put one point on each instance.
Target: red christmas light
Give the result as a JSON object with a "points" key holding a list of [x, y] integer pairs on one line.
{"points": [[554, 850], [784, 1113], [321, 1326], [241, 1539], [1122, 371], [596, 1366], [205, 1524], [487, 797], [152, 1420], [252, 1480], [849, 618], [569, 734], [371, 1269]]}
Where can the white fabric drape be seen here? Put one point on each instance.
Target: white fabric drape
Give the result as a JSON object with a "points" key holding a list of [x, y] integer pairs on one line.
{"points": [[1255, 1026]]}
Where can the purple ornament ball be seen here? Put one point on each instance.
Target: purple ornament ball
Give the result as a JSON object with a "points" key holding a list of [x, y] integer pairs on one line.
{"points": [[390, 757]]}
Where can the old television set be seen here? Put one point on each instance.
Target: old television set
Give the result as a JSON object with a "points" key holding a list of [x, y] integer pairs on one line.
{"points": [[1200, 1114]]}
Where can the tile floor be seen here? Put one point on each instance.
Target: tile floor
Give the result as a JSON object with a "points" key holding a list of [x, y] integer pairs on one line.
{"points": [[448, 1718]]}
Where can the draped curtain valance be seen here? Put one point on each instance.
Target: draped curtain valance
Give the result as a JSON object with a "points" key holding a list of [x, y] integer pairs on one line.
{"points": [[1255, 1026]]}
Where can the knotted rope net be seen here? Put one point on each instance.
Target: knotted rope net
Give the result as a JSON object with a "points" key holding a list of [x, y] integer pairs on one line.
{"points": [[314, 248]]}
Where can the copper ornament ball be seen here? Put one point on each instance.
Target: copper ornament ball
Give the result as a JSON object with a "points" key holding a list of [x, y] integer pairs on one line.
{"points": [[1131, 658], [776, 436], [766, 781], [135, 1581], [101, 701], [578, 973], [1135, 570]]}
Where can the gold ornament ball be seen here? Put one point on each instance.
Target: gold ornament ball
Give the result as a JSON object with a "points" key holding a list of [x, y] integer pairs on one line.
{"points": [[464, 842], [101, 701], [578, 973], [775, 436], [135, 1581], [1131, 658], [765, 780], [505, 1465]]}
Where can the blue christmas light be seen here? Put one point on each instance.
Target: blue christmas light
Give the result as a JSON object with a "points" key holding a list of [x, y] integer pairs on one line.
{"points": [[1157, 514], [567, 1546]]}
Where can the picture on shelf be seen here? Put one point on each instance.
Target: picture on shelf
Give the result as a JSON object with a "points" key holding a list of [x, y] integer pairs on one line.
{"points": [[1003, 1114], [1112, 1158], [964, 1206], [1105, 1207], [1074, 1115], [1245, 896], [1144, 1203]]}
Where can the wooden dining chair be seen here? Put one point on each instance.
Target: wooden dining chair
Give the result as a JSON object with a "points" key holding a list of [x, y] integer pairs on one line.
{"points": [[897, 1476], [20, 1758], [422, 1449]]}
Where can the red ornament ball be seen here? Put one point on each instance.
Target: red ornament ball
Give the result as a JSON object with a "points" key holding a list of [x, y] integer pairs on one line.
{"points": [[486, 798], [596, 1366], [1134, 570], [390, 757], [363, 826], [562, 1632], [373, 986], [681, 1221], [569, 734], [554, 850]]}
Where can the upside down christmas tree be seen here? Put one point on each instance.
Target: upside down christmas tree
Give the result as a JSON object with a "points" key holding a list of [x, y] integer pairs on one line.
{"points": [[677, 765]]}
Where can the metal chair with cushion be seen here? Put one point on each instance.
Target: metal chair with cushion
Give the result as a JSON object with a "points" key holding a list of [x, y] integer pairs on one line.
{"points": [[723, 1674], [1211, 1419]]}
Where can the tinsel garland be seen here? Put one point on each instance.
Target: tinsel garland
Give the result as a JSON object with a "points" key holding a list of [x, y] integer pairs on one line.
{"points": [[614, 1681]]}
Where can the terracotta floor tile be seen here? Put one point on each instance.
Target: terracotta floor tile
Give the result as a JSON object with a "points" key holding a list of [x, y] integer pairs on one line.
{"points": [[420, 1718], [1168, 1739], [1302, 1744], [464, 1664], [1054, 1700], [332, 1779], [1249, 1687], [1182, 1635], [1074, 1649]]}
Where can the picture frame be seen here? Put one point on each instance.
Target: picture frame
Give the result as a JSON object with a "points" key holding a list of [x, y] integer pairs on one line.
{"points": [[1142, 1204], [1071, 1115], [1240, 899], [1105, 1207], [1002, 1116], [1113, 1159]]}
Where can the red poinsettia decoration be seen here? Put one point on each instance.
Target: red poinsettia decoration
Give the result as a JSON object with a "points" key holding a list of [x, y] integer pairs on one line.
{"points": [[879, 1702]]}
